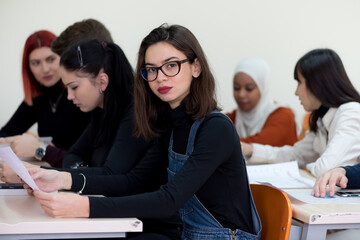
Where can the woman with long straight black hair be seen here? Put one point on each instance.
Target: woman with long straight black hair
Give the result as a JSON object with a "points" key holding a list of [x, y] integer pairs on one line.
{"points": [[324, 89]]}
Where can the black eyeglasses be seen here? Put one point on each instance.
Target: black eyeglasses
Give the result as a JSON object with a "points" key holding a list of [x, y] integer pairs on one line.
{"points": [[169, 69]]}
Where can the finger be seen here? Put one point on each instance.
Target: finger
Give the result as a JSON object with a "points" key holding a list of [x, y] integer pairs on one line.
{"points": [[30, 191], [3, 179], [343, 182], [43, 196], [332, 183], [9, 139], [48, 210], [322, 188], [314, 189], [315, 192], [38, 195]]}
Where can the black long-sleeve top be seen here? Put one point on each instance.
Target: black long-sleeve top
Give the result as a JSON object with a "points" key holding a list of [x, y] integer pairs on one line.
{"points": [[115, 157], [353, 175], [65, 125], [215, 172]]}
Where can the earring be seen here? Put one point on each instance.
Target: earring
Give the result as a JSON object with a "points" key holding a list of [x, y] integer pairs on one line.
{"points": [[101, 91]]}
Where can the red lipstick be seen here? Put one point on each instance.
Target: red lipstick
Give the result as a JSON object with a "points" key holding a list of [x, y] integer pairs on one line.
{"points": [[164, 90]]}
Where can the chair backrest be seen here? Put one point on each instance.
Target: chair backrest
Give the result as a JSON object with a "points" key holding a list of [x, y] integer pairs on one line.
{"points": [[274, 208]]}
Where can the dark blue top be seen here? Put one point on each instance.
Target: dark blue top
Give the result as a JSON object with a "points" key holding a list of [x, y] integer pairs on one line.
{"points": [[353, 175]]}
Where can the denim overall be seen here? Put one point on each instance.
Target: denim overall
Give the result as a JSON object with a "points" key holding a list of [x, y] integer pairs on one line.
{"points": [[198, 222]]}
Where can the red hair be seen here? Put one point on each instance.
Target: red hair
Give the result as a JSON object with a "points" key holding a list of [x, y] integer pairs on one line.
{"points": [[36, 40]]}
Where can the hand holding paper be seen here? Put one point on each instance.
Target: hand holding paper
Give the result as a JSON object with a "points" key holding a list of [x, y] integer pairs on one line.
{"points": [[9, 157]]}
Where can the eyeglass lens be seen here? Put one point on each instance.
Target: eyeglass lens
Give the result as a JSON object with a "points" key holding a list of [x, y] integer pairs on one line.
{"points": [[169, 69]]}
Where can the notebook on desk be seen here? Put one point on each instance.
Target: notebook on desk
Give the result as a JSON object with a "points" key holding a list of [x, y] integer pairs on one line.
{"points": [[12, 189], [280, 175]]}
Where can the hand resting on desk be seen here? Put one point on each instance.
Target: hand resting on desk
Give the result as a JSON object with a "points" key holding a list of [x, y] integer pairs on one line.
{"points": [[332, 178]]}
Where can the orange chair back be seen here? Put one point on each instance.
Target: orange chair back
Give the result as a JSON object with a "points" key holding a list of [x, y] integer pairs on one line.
{"points": [[274, 208]]}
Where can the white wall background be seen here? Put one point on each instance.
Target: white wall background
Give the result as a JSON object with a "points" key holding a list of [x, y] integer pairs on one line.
{"points": [[280, 31]]}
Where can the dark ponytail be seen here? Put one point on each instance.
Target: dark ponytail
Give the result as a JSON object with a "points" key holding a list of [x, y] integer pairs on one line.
{"points": [[90, 57]]}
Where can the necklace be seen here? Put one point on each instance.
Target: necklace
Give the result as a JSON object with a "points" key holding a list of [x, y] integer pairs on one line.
{"points": [[54, 105]]}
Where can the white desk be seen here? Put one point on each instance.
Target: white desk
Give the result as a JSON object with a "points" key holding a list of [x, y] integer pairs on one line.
{"points": [[318, 218], [21, 217]]}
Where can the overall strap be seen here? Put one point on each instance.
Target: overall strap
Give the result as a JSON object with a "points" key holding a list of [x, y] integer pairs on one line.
{"points": [[193, 131]]}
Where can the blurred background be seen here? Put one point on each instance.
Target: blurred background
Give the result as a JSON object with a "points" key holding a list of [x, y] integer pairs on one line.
{"points": [[280, 31]]}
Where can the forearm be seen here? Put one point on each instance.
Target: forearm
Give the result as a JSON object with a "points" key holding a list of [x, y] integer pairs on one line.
{"points": [[65, 181]]}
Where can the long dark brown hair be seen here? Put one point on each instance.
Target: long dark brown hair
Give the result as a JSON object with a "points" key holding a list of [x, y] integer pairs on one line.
{"points": [[149, 109], [326, 78]]}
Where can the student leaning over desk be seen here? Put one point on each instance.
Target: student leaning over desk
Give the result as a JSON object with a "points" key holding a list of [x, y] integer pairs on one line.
{"points": [[90, 29], [175, 104], [45, 103], [333, 140]]}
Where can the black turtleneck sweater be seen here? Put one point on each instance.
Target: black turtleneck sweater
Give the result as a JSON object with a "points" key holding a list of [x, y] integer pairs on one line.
{"points": [[65, 125], [215, 172]]}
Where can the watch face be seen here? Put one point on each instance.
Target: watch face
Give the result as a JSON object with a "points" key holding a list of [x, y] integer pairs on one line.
{"points": [[39, 153]]}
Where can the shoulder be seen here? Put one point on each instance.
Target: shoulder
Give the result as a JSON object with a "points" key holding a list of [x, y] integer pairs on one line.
{"points": [[218, 123], [347, 110], [281, 116], [232, 115], [350, 106], [282, 112]]}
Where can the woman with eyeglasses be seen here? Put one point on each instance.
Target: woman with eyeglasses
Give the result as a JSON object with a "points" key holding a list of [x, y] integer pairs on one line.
{"points": [[325, 90], [45, 103], [175, 106]]}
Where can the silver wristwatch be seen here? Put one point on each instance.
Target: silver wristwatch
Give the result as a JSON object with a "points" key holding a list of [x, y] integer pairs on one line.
{"points": [[40, 152]]}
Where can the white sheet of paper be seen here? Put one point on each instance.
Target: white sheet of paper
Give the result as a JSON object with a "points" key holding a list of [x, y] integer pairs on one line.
{"points": [[281, 175], [9, 157]]}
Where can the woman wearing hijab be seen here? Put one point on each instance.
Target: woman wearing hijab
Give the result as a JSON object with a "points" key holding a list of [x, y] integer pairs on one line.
{"points": [[258, 118]]}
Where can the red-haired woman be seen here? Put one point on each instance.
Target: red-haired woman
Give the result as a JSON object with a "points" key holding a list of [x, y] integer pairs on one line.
{"points": [[45, 103]]}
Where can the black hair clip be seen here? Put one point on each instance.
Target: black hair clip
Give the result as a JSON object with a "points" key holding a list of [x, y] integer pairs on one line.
{"points": [[79, 55]]}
